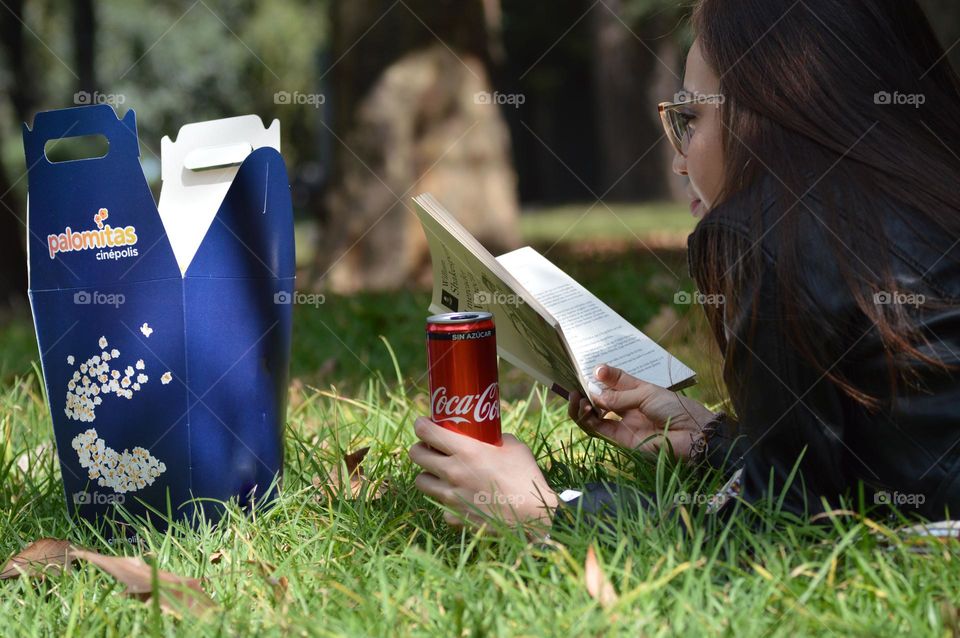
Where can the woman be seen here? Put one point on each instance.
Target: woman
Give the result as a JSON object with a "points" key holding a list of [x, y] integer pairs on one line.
{"points": [[821, 143]]}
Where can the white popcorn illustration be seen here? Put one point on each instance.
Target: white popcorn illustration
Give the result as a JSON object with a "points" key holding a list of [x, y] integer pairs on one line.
{"points": [[146, 330], [121, 471], [166, 378], [95, 377]]}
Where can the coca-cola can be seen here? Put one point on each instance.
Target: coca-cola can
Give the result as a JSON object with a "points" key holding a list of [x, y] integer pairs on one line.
{"points": [[464, 380]]}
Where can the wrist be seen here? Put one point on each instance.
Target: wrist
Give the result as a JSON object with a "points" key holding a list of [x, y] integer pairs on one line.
{"points": [[540, 521], [550, 502], [545, 503], [701, 435]]}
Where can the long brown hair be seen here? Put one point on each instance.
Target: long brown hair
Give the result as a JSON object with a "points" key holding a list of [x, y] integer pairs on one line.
{"points": [[823, 94]]}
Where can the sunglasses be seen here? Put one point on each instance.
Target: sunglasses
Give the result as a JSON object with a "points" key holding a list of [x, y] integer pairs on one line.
{"points": [[676, 122]]}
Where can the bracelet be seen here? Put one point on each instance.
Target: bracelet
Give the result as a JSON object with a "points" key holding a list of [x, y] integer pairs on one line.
{"points": [[700, 439]]}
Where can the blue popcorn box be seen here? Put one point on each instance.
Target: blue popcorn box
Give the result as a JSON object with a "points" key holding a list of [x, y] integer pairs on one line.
{"points": [[164, 329]]}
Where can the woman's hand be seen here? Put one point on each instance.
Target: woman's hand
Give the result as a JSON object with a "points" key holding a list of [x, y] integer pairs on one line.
{"points": [[478, 481], [644, 410]]}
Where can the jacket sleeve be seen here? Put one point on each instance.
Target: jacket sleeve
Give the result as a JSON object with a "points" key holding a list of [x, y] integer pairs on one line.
{"points": [[599, 506], [725, 444]]}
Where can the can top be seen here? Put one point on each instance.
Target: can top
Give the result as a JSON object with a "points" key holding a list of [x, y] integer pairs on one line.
{"points": [[450, 318]]}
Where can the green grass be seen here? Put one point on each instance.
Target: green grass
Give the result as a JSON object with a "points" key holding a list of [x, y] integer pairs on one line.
{"points": [[315, 564], [631, 222]]}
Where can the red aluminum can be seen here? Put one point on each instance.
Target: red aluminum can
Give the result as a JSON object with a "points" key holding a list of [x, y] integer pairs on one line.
{"points": [[464, 380]]}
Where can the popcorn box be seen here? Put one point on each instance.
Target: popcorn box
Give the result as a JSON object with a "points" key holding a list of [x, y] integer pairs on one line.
{"points": [[164, 329]]}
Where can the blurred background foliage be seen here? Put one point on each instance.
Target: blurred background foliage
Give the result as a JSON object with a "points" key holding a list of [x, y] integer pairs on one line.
{"points": [[571, 160]]}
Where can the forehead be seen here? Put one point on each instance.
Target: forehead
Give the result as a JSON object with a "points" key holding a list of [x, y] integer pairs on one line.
{"points": [[699, 77]]}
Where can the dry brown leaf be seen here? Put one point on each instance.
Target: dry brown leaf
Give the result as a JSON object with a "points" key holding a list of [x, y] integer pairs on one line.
{"points": [[176, 592], [37, 557], [598, 585], [335, 483]]}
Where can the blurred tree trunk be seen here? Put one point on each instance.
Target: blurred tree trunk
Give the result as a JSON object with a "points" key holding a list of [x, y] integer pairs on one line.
{"points": [[408, 120], [626, 71], [13, 269], [13, 258], [84, 44], [664, 88]]}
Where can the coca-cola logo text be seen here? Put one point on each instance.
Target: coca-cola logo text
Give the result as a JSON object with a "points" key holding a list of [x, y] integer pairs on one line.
{"points": [[484, 406]]}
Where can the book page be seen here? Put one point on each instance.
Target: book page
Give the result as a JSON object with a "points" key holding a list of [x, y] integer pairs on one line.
{"points": [[466, 277], [595, 333]]}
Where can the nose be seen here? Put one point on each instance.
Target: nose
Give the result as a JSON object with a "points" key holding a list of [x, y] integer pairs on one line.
{"points": [[680, 164]]}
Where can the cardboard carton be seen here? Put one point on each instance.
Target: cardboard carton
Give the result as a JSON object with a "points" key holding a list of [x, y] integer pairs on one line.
{"points": [[164, 331]]}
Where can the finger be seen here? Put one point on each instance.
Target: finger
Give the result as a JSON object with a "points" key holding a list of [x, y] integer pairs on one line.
{"points": [[573, 406], [434, 487], [603, 428], [615, 378], [634, 398], [429, 459], [442, 439], [453, 520], [586, 417]]}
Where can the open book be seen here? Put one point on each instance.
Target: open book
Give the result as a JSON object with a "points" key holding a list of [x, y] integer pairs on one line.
{"points": [[547, 324]]}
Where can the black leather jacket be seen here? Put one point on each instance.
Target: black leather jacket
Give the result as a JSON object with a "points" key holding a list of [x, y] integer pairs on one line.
{"points": [[789, 415], [907, 452]]}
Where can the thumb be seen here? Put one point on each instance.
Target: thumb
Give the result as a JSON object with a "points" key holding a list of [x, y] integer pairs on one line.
{"points": [[635, 397], [615, 378]]}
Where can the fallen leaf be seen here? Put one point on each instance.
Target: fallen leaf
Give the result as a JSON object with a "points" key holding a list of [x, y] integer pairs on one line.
{"points": [[598, 585], [36, 557], [176, 592], [335, 483], [353, 460], [217, 556]]}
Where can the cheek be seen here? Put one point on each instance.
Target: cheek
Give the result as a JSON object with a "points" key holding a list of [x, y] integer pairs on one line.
{"points": [[705, 166]]}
